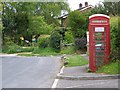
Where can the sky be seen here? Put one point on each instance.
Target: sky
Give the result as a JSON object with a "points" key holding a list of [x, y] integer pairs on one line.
{"points": [[74, 4]]}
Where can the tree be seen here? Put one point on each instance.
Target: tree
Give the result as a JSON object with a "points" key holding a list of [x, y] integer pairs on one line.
{"points": [[51, 10], [37, 25], [28, 18], [108, 8], [99, 9], [77, 22], [111, 8], [119, 8], [15, 18]]}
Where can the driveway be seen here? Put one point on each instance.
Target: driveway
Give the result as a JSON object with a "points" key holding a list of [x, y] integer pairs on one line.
{"points": [[29, 72]]}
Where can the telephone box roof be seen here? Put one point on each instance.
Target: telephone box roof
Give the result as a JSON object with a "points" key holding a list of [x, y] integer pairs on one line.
{"points": [[98, 15]]}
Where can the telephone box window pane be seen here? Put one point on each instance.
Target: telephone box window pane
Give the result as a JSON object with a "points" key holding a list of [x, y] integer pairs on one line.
{"points": [[99, 61], [100, 53], [100, 34], [100, 42], [99, 38], [100, 46]]}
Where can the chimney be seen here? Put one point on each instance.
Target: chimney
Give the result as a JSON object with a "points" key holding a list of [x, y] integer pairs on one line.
{"points": [[80, 5], [86, 4]]}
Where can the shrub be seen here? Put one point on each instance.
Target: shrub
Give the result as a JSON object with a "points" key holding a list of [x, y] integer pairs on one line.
{"points": [[55, 39], [115, 39], [77, 22], [43, 41], [68, 37], [80, 43], [68, 50], [13, 48]]}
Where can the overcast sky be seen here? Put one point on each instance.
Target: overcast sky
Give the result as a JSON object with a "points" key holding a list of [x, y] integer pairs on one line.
{"points": [[74, 4]]}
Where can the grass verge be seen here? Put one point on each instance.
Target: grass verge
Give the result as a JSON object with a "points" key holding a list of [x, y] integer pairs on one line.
{"points": [[76, 60], [23, 54], [44, 51], [111, 68], [68, 50], [10, 49]]}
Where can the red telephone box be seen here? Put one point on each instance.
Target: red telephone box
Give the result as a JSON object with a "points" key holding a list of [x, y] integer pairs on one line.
{"points": [[99, 41]]}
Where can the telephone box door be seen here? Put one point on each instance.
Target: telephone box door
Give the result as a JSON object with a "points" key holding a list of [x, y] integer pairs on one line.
{"points": [[99, 45], [99, 41]]}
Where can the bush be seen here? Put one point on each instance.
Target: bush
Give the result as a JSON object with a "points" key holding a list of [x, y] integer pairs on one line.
{"points": [[13, 48], [115, 39], [68, 50], [68, 37], [80, 43], [77, 22], [55, 39], [43, 41]]}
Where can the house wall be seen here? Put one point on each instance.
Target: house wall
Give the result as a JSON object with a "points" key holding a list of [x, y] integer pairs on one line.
{"points": [[65, 21]]}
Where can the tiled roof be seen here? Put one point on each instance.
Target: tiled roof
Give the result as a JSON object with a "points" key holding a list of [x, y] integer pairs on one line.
{"points": [[80, 9]]}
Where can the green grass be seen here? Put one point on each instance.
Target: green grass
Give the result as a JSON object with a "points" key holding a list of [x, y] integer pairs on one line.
{"points": [[111, 68], [76, 60], [23, 54], [13, 48], [45, 51], [68, 50]]}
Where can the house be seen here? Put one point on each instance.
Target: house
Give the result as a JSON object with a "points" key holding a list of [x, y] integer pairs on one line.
{"points": [[81, 9]]}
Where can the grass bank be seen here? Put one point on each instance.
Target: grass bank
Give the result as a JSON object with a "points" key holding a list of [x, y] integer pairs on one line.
{"points": [[111, 68], [49, 51], [76, 60]]}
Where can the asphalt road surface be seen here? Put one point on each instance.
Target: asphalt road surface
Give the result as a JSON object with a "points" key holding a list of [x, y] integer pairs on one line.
{"points": [[111, 83], [29, 72]]}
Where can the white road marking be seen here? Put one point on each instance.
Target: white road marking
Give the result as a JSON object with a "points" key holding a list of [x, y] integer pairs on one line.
{"points": [[55, 83], [61, 71], [56, 80]]}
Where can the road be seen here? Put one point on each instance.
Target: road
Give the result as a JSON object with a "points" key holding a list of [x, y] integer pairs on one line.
{"points": [[111, 83], [29, 72], [40, 72]]}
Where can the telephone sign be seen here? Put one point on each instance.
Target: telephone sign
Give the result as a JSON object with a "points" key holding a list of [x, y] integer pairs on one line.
{"points": [[99, 29], [99, 41]]}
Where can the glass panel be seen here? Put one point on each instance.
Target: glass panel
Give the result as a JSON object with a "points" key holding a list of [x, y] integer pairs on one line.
{"points": [[99, 61], [98, 34], [100, 54], [100, 42]]}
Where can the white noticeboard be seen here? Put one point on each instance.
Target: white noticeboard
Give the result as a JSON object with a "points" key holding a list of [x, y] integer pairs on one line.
{"points": [[99, 29]]}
